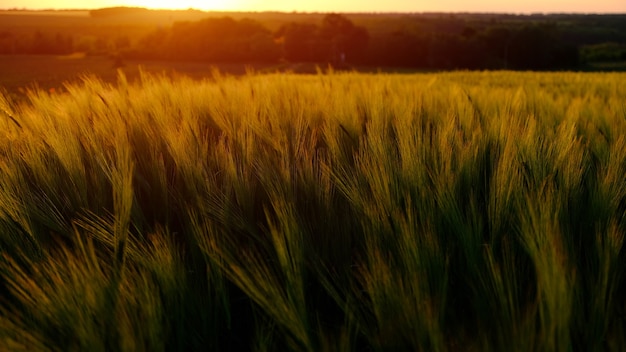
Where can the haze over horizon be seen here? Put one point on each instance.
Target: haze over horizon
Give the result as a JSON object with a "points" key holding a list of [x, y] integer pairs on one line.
{"points": [[489, 6]]}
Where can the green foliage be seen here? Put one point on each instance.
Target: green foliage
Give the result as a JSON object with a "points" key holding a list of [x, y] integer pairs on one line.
{"points": [[603, 52], [456, 211]]}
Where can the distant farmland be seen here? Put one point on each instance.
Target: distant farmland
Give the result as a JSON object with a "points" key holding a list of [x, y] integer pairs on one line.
{"points": [[52, 72]]}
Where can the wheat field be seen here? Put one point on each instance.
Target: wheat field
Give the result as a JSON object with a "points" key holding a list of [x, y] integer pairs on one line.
{"points": [[465, 211]]}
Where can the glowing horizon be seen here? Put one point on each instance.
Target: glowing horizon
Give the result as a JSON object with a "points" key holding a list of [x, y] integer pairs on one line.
{"points": [[493, 6]]}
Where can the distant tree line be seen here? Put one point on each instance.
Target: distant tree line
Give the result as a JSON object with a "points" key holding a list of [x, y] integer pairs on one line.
{"points": [[226, 40], [38, 43], [336, 39], [527, 47], [421, 42], [523, 45]]}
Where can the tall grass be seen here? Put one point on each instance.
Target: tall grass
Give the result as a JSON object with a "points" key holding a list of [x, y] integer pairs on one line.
{"points": [[340, 211]]}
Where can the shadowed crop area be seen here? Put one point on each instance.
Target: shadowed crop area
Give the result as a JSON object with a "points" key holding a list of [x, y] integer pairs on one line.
{"points": [[330, 212]]}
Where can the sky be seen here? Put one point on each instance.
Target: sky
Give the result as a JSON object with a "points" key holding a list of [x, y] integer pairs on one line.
{"points": [[512, 6]]}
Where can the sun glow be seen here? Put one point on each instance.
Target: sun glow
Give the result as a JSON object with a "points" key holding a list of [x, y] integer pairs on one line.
{"points": [[189, 4]]}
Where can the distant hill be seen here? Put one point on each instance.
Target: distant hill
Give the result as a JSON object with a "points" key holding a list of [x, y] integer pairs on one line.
{"points": [[116, 11]]}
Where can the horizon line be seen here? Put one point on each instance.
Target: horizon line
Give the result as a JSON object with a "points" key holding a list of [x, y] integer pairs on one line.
{"points": [[523, 13]]}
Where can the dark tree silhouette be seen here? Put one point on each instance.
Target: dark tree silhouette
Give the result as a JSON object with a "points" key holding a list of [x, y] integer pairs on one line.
{"points": [[301, 41], [344, 40]]}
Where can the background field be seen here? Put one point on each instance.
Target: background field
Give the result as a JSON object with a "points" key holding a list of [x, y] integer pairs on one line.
{"points": [[23, 72], [339, 211]]}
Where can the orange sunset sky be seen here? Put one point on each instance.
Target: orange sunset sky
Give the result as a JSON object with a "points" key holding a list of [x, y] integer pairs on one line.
{"points": [[516, 6]]}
